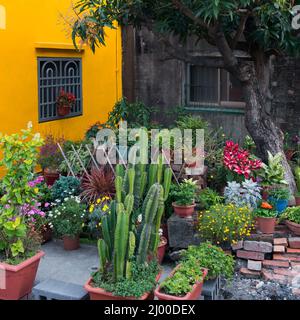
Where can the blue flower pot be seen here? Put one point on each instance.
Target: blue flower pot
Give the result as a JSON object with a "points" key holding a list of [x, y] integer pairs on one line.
{"points": [[280, 205]]}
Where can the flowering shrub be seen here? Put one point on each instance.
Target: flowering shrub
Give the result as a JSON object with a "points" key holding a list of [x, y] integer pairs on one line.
{"points": [[67, 217], [66, 98], [19, 204], [65, 187], [50, 156], [97, 211], [239, 161], [225, 223]]}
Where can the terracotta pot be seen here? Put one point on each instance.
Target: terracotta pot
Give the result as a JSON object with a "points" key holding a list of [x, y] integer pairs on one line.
{"points": [[294, 227], [19, 279], [184, 211], [50, 177], [297, 198], [266, 225], [165, 231], [193, 295], [100, 294], [71, 243], [46, 234], [162, 249], [63, 110]]}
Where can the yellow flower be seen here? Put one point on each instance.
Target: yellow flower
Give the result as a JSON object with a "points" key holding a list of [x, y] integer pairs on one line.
{"points": [[92, 207], [98, 201], [36, 190]]}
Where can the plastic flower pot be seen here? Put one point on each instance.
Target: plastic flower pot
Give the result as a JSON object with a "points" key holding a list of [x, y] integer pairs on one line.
{"points": [[266, 225], [100, 294], [162, 249], [184, 211], [71, 243], [294, 227], [193, 295], [18, 280], [63, 110], [50, 177], [280, 205]]}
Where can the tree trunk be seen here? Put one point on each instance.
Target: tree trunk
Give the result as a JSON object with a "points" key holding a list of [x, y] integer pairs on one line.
{"points": [[259, 123]]}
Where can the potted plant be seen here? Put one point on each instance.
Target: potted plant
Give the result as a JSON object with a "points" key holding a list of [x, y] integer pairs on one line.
{"points": [[225, 224], [266, 218], [19, 242], [185, 194], [184, 283], [297, 177], [50, 158], [162, 247], [67, 220], [279, 196], [292, 219], [127, 270], [212, 258], [65, 102], [208, 198], [272, 174]]}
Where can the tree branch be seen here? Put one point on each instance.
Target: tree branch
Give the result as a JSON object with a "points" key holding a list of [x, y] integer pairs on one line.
{"points": [[190, 14], [240, 30]]}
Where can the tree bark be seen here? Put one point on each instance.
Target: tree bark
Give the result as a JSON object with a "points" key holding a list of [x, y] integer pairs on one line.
{"points": [[259, 123]]}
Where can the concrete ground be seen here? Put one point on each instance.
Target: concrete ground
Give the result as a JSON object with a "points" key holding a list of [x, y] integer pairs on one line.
{"points": [[72, 266]]}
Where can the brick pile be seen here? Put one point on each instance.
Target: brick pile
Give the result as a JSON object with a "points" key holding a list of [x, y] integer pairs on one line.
{"points": [[277, 261]]}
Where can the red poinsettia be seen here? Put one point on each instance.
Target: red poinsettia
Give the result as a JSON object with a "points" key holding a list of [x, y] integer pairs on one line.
{"points": [[239, 160]]}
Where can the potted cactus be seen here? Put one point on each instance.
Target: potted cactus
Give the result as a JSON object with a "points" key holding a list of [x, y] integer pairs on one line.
{"points": [[128, 270]]}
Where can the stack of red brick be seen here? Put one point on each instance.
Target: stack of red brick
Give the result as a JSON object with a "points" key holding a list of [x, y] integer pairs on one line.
{"points": [[278, 261]]}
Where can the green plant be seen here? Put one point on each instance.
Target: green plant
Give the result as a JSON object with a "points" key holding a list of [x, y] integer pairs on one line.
{"points": [[212, 258], [292, 214], [20, 152], [67, 217], [119, 246], [184, 278], [50, 156], [208, 198], [297, 177], [185, 193], [65, 187], [143, 280], [273, 173], [265, 210], [246, 194], [279, 193], [225, 223]]}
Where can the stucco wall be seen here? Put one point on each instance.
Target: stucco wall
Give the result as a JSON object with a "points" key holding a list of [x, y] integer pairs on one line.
{"points": [[35, 28]]}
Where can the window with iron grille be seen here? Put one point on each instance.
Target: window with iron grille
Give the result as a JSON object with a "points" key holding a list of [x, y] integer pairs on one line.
{"points": [[212, 87], [55, 74]]}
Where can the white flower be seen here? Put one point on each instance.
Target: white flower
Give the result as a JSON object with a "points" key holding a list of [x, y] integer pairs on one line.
{"points": [[140, 218], [160, 232]]}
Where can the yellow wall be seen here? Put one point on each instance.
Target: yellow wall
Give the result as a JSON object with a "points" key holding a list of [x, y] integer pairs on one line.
{"points": [[35, 28]]}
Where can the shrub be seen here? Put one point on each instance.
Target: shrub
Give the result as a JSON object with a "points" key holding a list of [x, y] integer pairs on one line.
{"points": [[99, 183], [212, 258], [67, 218], [208, 198], [225, 223], [65, 187], [184, 193], [292, 214], [246, 194], [50, 156]]}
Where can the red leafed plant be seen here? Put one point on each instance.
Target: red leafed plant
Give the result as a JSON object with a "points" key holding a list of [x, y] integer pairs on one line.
{"points": [[66, 98], [97, 184], [239, 161]]}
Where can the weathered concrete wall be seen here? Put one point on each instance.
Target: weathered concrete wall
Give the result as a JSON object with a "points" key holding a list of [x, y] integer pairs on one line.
{"points": [[160, 83]]}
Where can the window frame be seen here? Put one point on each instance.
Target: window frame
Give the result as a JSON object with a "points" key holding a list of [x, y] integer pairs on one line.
{"points": [[220, 104], [47, 59]]}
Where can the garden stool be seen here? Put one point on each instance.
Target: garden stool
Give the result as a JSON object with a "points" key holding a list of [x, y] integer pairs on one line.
{"points": [[211, 289], [59, 290]]}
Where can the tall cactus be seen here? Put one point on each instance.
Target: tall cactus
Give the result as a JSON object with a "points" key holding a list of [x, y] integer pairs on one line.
{"points": [[151, 209]]}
